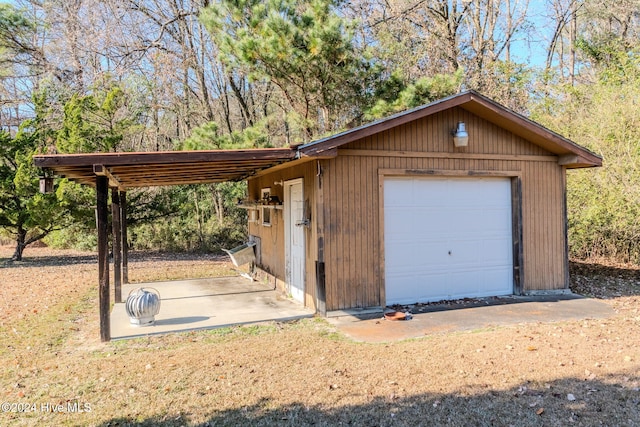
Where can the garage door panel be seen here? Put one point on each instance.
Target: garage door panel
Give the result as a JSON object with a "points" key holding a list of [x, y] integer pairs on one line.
{"points": [[472, 228], [495, 219], [464, 252], [403, 223], [426, 218], [411, 256], [462, 195], [401, 261], [496, 250], [495, 281], [464, 221], [463, 283], [410, 290], [422, 195], [432, 253], [395, 193], [434, 216]]}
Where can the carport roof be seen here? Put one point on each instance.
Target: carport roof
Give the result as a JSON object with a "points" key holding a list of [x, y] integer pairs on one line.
{"points": [[148, 169]]}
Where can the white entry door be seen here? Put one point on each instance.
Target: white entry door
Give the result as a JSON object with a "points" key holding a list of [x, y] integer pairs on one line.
{"points": [[447, 238], [294, 238]]}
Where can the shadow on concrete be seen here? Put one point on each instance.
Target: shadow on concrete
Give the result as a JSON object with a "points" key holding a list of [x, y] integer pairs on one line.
{"points": [[217, 295], [605, 401], [459, 304], [181, 320], [208, 303]]}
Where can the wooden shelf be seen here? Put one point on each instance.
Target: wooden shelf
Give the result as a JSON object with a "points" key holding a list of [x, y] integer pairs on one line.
{"points": [[258, 206]]}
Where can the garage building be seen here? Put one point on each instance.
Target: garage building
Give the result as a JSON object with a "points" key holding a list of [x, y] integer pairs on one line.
{"points": [[397, 212]]}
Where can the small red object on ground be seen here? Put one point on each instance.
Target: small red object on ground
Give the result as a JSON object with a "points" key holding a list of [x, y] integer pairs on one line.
{"points": [[395, 315]]}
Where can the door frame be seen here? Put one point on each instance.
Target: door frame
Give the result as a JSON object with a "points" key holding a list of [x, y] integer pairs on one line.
{"points": [[516, 216], [288, 227]]}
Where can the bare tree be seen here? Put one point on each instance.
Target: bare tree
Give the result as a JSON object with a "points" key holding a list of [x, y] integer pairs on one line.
{"points": [[428, 37]]}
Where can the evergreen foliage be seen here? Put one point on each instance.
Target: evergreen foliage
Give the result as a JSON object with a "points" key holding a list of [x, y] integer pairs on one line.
{"points": [[304, 48], [208, 137], [161, 75], [94, 123], [397, 95], [26, 213]]}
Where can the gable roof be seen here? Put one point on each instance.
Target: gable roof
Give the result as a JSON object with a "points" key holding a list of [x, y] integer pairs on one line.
{"points": [[573, 155]]}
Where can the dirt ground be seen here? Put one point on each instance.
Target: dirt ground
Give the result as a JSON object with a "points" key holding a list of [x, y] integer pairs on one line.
{"points": [[56, 372]]}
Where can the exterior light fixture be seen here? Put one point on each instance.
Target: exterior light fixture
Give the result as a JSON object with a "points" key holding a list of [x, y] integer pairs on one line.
{"points": [[460, 136], [46, 183]]}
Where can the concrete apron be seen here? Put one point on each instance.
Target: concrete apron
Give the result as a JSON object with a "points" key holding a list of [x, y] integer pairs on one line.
{"points": [[207, 303], [228, 301], [476, 314]]}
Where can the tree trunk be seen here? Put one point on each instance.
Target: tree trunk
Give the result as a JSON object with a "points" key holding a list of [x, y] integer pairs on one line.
{"points": [[198, 219], [218, 203], [20, 244], [573, 30]]}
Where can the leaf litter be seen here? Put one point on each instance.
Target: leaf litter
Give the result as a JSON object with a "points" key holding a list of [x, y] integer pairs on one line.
{"points": [[305, 372]]}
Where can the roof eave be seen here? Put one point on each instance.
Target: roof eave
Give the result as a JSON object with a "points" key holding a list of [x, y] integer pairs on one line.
{"points": [[473, 102]]}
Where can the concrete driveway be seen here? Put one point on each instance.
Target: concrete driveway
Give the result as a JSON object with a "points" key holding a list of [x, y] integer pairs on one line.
{"points": [[207, 303], [472, 314], [227, 301]]}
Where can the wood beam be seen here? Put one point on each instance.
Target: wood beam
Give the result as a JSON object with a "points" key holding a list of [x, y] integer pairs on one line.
{"points": [[330, 153], [162, 157], [565, 230], [125, 241], [102, 219], [446, 155], [321, 288], [117, 244], [447, 172], [282, 166], [569, 159], [516, 227], [101, 170]]}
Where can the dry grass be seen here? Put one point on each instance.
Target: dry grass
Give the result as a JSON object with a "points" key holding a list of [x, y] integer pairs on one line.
{"points": [[304, 373]]}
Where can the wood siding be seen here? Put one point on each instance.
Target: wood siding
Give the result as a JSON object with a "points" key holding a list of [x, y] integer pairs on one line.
{"points": [[349, 190], [272, 244], [354, 246]]}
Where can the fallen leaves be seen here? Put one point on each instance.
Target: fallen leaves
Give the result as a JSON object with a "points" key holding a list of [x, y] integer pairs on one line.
{"points": [[528, 374]]}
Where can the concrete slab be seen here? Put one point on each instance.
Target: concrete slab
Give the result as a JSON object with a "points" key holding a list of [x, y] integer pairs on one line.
{"points": [[207, 303], [429, 319]]}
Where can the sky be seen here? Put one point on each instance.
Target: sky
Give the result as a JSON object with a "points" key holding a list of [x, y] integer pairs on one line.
{"points": [[534, 51]]}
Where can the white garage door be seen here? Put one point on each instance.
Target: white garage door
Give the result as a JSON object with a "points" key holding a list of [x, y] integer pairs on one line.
{"points": [[447, 238]]}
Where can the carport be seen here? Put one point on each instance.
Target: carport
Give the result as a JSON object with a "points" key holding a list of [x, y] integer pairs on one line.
{"points": [[208, 303], [120, 172]]}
